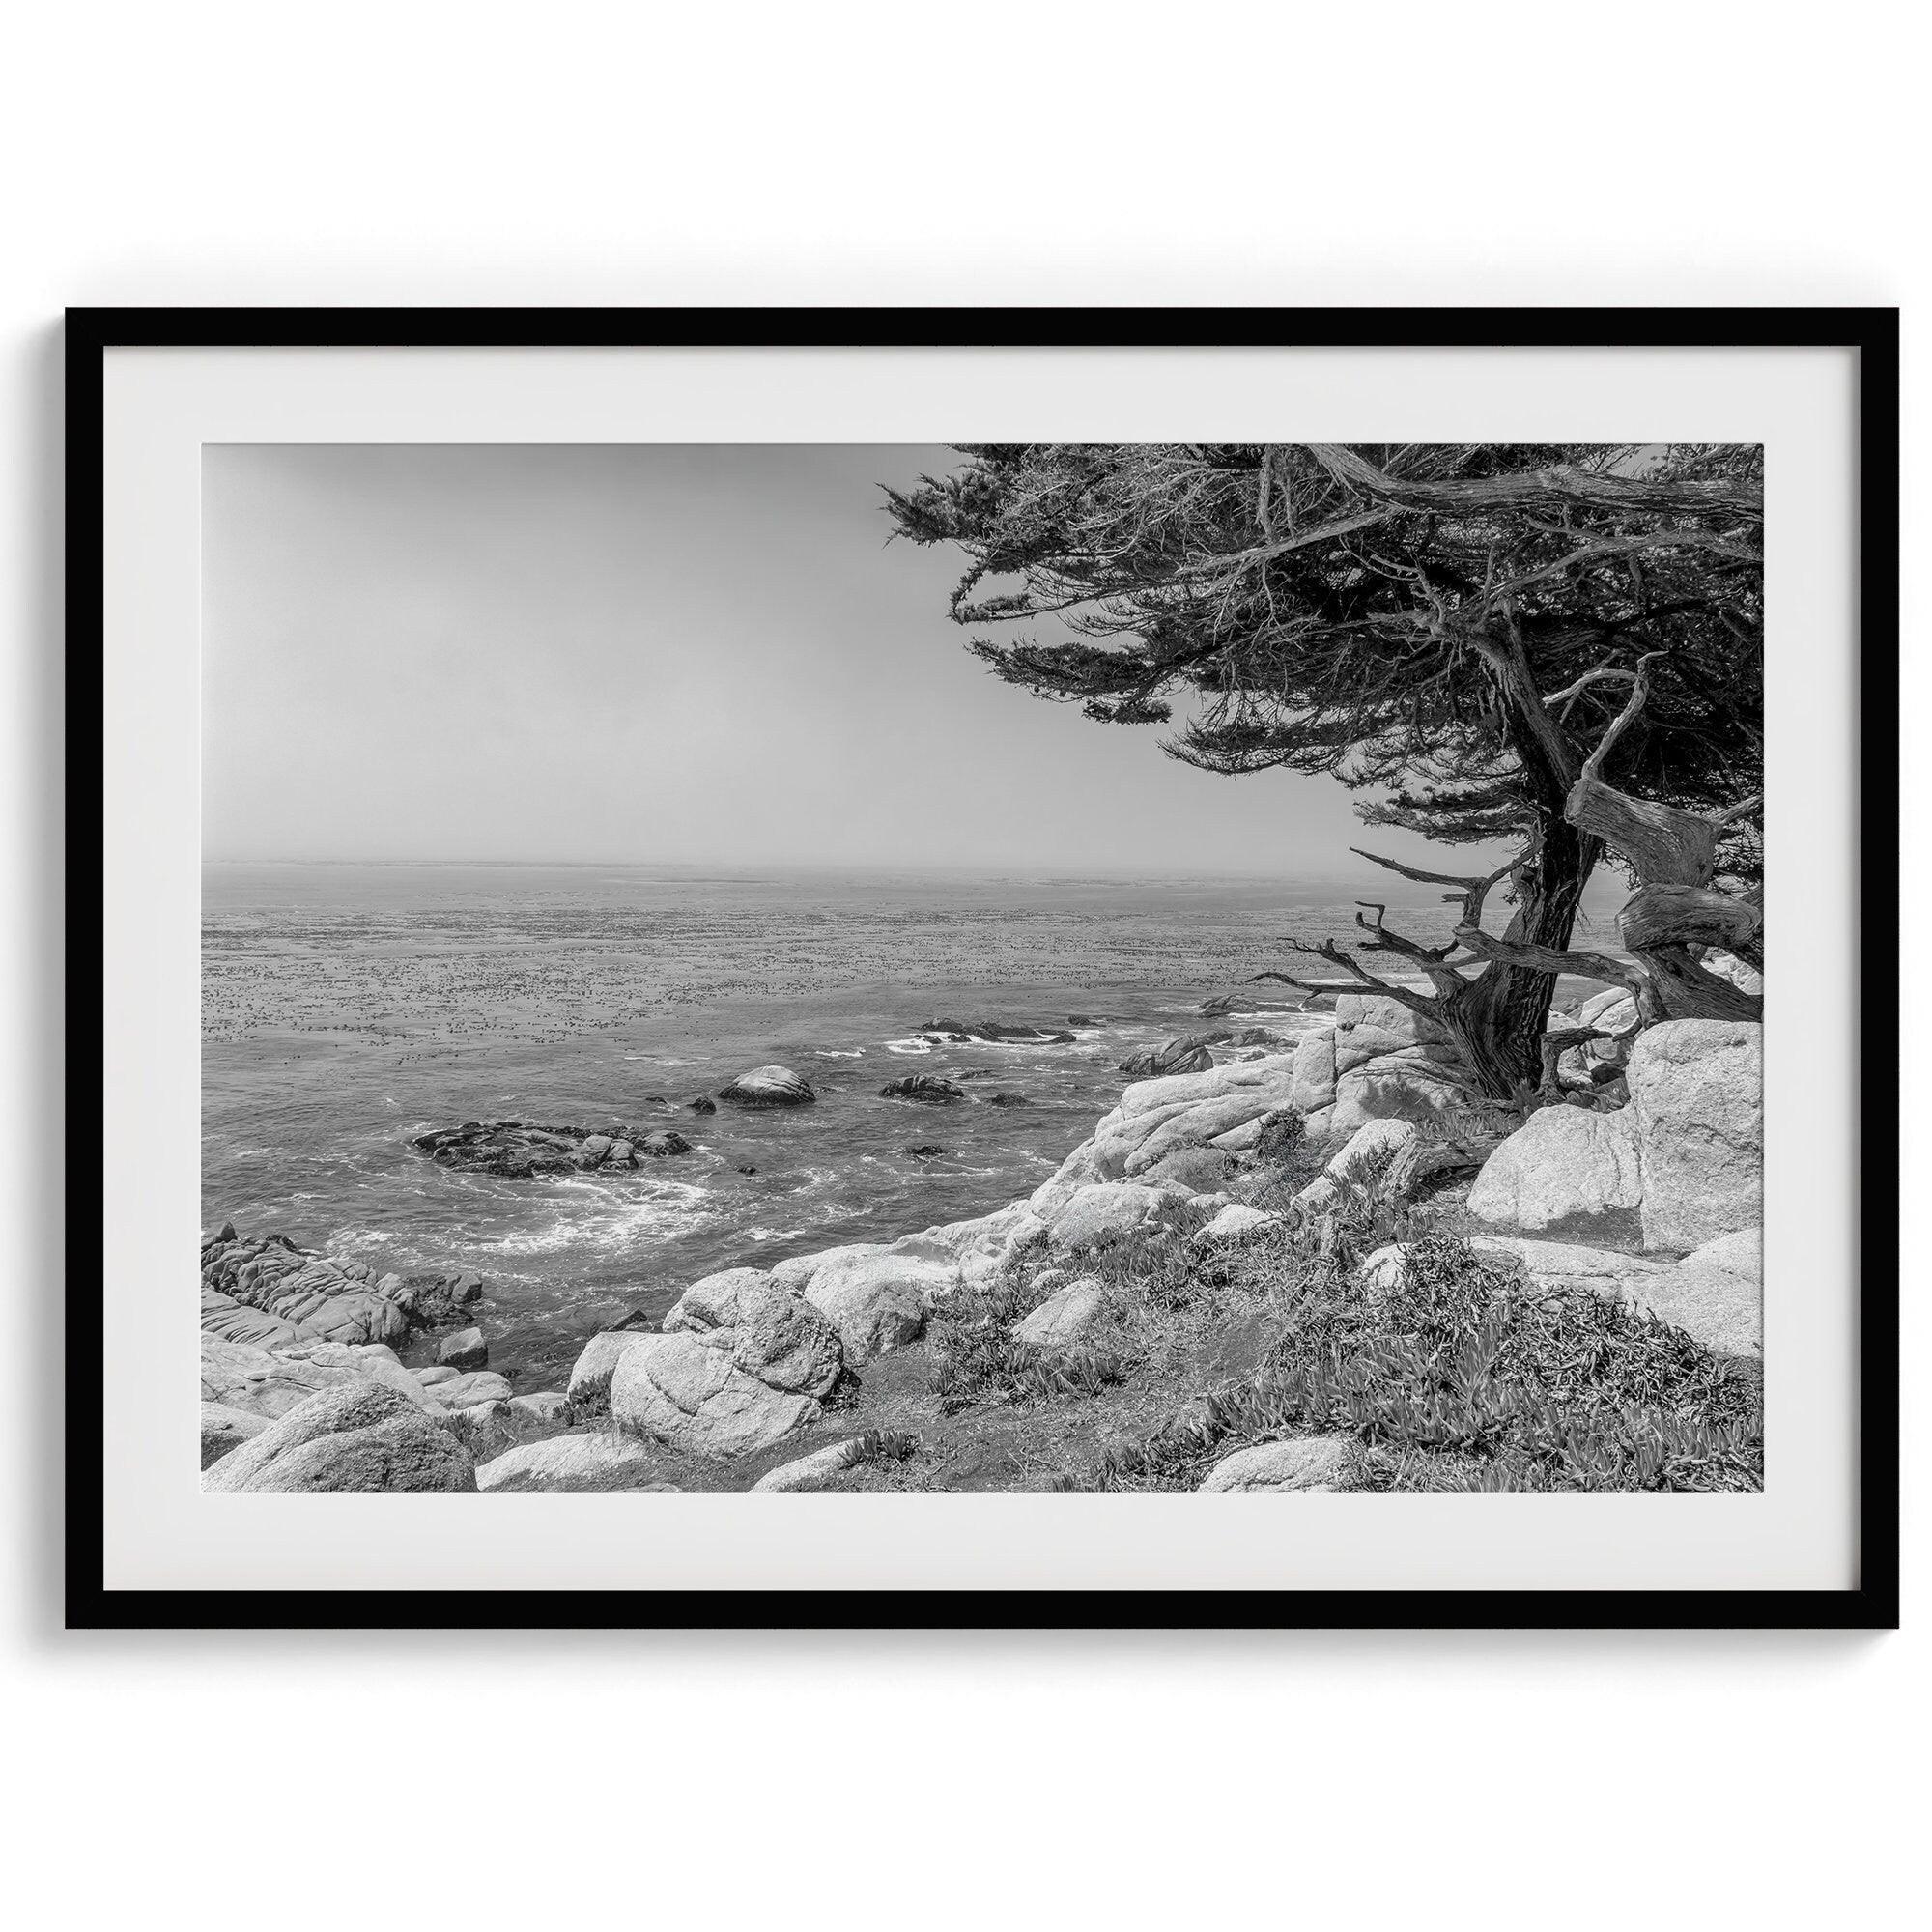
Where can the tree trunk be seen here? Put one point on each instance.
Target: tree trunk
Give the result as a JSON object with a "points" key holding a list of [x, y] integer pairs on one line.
{"points": [[1498, 1019]]}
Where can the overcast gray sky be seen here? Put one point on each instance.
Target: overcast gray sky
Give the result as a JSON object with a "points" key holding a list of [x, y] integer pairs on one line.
{"points": [[656, 653]]}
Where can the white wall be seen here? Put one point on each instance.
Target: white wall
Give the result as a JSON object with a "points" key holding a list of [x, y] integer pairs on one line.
{"points": [[362, 153]]}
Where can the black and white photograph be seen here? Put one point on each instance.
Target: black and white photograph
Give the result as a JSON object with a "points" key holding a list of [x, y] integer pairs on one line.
{"points": [[1056, 968]]}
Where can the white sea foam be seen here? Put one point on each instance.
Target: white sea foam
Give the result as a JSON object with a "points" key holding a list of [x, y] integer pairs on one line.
{"points": [[611, 1219], [913, 1045]]}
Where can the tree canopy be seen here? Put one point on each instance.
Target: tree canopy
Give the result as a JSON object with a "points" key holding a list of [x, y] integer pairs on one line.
{"points": [[1454, 631]]}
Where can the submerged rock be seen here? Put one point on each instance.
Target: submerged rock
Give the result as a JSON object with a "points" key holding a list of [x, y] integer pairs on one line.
{"points": [[995, 1032], [768, 1087]]}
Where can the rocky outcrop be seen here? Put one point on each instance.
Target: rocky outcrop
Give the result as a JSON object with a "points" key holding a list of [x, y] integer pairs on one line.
{"points": [[1391, 1064], [769, 1332], [589, 1386], [1565, 1172], [320, 1297], [682, 1391], [1714, 1294], [1680, 1165], [877, 1298], [239, 1375], [1108, 1211], [1067, 1317], [1697, 1091], [768, 1087], [223, 1429], [1311, 1464], [928, 1088], [518, 1150], [365, 1440], [573, 1465]]}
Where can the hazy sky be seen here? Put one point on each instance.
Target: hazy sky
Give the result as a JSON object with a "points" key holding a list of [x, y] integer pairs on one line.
{"points": [[646, 653]]}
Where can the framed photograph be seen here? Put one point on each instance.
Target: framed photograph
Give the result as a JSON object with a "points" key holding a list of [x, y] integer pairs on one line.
{"points": [[1198, 968]]}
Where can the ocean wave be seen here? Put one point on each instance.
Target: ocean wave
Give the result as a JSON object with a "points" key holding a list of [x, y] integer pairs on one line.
{"points": [[913, 1045], [610, 1220], [838, 1053]]}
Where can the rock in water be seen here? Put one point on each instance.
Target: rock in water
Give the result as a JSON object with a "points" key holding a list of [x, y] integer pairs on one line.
{"points": [[1697, 1089], [518, 1150], [1187, 1055], [366, 1440], [768, 1087], [464, 1351], [928, 1087], [702, 1103], [678, 1390], [1312, 1465]]}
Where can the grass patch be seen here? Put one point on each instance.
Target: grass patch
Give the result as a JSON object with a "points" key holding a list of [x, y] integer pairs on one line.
{"points": [[1466, 1376]]}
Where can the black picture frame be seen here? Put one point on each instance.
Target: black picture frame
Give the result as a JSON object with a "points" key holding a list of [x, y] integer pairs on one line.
{"points": [[1871, 332]]}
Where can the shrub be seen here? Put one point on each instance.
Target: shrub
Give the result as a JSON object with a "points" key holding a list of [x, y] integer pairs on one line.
{"points": [[976, 1357], [1468, 1378]]}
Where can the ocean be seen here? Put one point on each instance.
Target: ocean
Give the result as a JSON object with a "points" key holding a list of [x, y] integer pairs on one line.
{"points": [[347, 1007]]}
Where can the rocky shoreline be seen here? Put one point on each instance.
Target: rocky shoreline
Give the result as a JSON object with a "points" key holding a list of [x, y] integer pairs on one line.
{"points": [[1642, 1182]]}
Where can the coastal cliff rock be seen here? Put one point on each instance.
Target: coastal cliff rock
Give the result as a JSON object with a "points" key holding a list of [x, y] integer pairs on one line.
{"points": [[1697, 1093], [364, 1438], [320, 1297], [768, 1087], [877, 1300], [518, 1150], [223, 1429], [1564, 1172]]}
